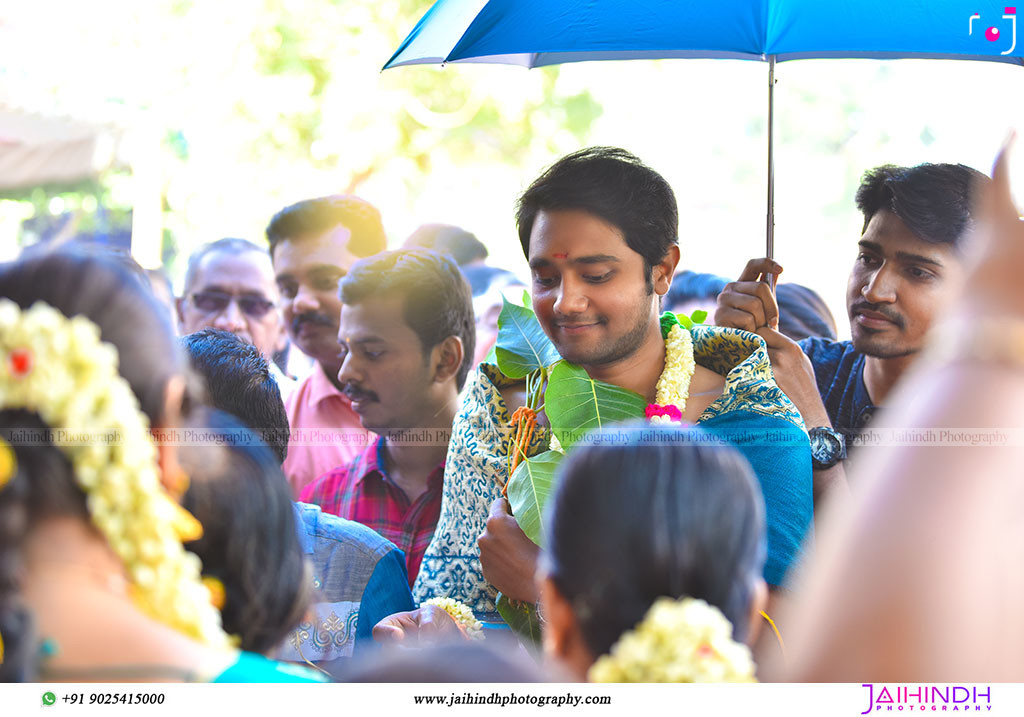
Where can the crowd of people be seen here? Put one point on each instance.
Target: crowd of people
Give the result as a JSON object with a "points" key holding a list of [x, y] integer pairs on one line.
{"points": [[308, 456]]}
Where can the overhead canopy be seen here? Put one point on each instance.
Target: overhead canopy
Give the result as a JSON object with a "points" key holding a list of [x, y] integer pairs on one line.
{"points": [[534, 33], [37, 150]]}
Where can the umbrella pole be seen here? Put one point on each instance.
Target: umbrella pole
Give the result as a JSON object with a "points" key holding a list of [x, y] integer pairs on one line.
{"points": [[770, 233]]}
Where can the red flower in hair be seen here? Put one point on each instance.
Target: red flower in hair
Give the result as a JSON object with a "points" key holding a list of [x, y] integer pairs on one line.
{"points": [[20, 362]]}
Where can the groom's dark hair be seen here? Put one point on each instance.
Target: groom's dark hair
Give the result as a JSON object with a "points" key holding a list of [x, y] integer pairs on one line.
{"points": [[614, 185]]}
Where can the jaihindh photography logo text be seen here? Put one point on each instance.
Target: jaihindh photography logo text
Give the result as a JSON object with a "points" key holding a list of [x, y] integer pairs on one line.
{"points": [[927, 698]]}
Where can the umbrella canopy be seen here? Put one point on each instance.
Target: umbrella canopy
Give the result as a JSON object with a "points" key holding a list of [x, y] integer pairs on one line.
{"points": [[534, 33]]}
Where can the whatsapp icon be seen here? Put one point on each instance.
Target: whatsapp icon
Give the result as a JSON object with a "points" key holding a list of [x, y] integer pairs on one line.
{"points": [[49, 698]]}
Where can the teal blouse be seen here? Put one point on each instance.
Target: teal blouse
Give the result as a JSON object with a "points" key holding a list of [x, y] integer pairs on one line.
{"points": [[250, 667]]}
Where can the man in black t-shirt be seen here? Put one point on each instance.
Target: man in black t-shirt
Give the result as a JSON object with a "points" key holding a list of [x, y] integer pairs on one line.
{"points": [[909, 266]]}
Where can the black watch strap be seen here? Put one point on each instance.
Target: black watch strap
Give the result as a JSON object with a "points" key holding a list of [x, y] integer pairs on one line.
{"points": [[828, 447]]}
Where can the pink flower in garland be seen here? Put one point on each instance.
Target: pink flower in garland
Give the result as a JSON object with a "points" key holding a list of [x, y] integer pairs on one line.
{"points": [[671, 412]]}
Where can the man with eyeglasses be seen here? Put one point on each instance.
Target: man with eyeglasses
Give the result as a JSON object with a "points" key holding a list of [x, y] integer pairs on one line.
{"points": [[313, 244], [229, 285]]}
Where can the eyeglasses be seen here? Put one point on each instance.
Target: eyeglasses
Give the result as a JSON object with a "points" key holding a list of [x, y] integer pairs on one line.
{"points": [[213, 302]]}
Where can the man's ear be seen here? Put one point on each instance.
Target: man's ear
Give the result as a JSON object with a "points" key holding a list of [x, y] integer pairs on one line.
{"points": [[661, 274], [559, 620], [282, 332], [447, 359], [561, 635], [172, 475], [179, 312]]}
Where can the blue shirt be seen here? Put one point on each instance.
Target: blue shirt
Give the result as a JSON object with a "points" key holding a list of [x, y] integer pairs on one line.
{"points": [[839, 369], [359, 579]]}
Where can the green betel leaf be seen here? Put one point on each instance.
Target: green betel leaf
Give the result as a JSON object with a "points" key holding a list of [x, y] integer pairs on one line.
{"points": [[527, 301], [698, 317], [522, 346], [528, 491], [522, 617], [576, 404]]}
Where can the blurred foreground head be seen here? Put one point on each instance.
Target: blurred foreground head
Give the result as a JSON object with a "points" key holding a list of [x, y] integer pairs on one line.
{"points": [[116, 299], [453, 662], [42, 486], [249, 543], [238, 382], [642, 513]]}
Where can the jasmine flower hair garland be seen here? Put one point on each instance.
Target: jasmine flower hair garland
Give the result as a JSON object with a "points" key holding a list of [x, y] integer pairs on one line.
{"points": [[59, 368], [684, 640]]}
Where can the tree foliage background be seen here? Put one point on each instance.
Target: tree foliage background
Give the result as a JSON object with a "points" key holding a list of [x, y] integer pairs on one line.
{"points": [[241, 108]]}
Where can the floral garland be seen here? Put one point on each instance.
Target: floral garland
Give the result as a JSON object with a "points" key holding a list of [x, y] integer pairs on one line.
{"points": [[59, 368], [8, 463], [462, 615], [673, 386], [683, 640], [8, 467]]}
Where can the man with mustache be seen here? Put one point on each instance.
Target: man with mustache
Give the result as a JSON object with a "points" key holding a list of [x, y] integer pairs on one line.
{"points": [[313, 244], [407, 333], [909, 266]]}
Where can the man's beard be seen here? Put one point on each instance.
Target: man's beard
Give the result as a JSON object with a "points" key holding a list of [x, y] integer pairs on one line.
{"points": [[625, 346], [870, 346], [869, 342]]}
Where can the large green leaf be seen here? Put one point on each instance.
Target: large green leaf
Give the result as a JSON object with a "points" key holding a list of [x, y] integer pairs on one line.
{"points": [[522, 617], [576, 404], [522, 346], [528, 491]]}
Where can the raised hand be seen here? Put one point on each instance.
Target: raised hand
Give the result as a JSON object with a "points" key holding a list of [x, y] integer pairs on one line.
{"points": [[749, 303]]}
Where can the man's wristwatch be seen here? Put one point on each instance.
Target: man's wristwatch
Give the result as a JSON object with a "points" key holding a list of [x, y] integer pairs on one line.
{"points": [[828, 447]]}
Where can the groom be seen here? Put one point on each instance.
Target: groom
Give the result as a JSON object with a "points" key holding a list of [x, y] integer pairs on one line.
{"points": [[599, 229]]}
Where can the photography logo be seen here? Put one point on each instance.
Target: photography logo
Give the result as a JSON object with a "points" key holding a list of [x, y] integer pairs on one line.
{"points": [[927, 698], [994, 34]]}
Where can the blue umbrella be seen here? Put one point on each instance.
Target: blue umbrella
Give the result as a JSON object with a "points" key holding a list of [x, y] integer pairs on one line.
{"points": [[533, 33]]}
